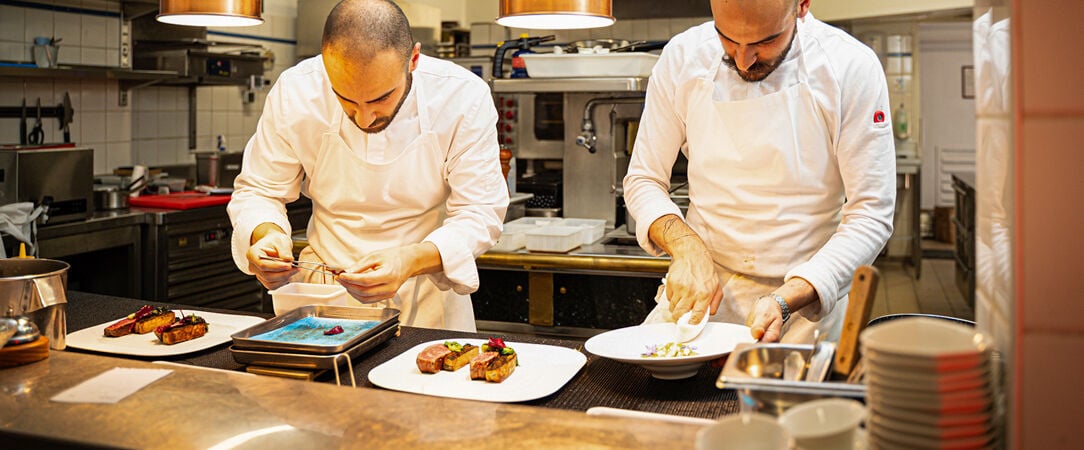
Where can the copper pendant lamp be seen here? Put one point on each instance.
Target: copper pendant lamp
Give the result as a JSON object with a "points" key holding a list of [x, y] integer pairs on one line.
{"points": [[556, 14], [211, 13]]}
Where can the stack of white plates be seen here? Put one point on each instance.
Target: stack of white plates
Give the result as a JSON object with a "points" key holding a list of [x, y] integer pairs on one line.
{"points": [[928, 385]]}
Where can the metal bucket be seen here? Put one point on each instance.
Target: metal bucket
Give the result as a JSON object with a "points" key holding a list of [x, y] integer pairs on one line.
{"points": [[36, 288]]}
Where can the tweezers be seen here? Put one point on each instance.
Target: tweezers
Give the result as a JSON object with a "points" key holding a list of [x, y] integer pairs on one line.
{"points": [[318, 267]]}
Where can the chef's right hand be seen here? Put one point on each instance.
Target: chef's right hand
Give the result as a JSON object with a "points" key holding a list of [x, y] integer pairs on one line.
{"points": [[692, 284], [269, 240]]}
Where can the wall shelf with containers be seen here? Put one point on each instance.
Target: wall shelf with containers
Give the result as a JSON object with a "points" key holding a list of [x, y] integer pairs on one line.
{"points": [[129, 79]]}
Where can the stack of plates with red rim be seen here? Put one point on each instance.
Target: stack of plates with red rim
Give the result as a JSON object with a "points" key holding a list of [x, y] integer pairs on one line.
{"points": [[928, 385]]}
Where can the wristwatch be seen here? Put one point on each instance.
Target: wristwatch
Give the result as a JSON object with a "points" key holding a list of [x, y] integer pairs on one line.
{"points": [[782, 305]]}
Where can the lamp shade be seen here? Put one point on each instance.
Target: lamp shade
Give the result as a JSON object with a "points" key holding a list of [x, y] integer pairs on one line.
{"points": [[556, 14], [211, 13]]}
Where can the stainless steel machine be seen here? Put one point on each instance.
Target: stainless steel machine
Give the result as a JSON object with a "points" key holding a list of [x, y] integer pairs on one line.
{"points": [[598, 117], [61, 178]]}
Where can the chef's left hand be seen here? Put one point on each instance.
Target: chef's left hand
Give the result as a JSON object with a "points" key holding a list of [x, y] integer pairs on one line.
{"points": [[765, 320], [379, 275]]}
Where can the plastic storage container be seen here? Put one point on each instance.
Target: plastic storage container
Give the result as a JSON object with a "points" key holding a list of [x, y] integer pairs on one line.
{"points": [[591, 65], [534, 221], [514, 237], [296, 295], [592, 229], [554, 238]]}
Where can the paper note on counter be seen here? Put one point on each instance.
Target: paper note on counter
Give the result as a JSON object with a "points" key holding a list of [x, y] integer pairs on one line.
{"points": [[111, 386]]}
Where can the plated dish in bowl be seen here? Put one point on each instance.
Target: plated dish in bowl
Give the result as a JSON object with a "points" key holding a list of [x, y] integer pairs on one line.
{"points": [[641, 345]]}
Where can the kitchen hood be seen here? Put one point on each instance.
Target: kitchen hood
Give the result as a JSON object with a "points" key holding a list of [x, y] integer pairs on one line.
{"points": [[197, 60]]}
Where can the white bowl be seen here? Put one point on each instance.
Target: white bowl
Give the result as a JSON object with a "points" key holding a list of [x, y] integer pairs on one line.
{"points": [[825, 424], [923, 378], [924, 337], [934, 420], [931, 432], [296, 295], [962, 406], [745, 431], [897, 439], [909, 387], [896, 362], [628, 345]]}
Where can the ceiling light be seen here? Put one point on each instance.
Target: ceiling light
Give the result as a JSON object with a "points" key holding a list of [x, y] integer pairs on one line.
{"points": [[556, 14], [211, 13]]}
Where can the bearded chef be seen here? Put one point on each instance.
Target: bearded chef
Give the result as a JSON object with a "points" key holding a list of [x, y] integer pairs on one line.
{"points": [[399, 155], [791, 173]]}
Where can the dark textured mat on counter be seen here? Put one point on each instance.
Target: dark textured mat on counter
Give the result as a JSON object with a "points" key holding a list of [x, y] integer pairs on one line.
{"points": [[601, 382]]}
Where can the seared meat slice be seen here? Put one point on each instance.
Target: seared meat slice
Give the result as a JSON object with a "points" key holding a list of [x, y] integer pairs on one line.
{"points": [[431, 360]]}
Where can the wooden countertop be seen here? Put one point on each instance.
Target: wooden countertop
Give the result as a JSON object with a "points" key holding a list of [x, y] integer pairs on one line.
{"points": [[201, 408]]}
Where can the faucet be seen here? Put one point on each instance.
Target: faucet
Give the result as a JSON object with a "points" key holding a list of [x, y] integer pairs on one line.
{"points": [[587, 138]]}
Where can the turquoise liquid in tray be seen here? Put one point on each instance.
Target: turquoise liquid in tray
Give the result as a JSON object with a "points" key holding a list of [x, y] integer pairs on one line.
{"points": [[310, 331]]}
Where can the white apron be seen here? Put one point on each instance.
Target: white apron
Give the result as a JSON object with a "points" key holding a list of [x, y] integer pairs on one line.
{"points": [[360, 207], [765, 195]]}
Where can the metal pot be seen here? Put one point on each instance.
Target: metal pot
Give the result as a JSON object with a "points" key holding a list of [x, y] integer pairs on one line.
{"points": [[36, 288], [108, 198]]}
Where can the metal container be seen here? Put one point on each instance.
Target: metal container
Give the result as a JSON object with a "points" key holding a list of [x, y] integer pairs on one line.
{"points": [[298, 342], [756, 372], [217, 169], [37, 288], [108, 198], [62, 178]]}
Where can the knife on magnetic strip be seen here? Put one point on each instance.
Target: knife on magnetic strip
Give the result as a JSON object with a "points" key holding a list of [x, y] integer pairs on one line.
{"points": [[859, 304]]}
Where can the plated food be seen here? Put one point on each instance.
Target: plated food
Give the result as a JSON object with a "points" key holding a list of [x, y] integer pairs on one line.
{"points": [[669, 350], [628, 345], [143, 321], [183, 329], [494, 363]]}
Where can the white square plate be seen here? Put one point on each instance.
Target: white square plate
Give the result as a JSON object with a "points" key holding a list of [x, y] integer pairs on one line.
{"points": [[219, 329], [542, 370]]}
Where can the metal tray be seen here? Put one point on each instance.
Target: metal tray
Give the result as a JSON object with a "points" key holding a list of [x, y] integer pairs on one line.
{"points": [[386, 317], [307, 361], [755, 371]]}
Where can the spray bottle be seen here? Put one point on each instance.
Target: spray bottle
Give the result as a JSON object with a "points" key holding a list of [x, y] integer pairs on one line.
{"points": [[900, 123]]}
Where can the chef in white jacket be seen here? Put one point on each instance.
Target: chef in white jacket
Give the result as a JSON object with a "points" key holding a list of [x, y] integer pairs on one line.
{"points": [[398, 153], [785, 123]]}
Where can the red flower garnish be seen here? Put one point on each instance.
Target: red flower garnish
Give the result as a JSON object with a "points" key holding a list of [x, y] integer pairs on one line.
{"points": [[335, 330], [496, 343]]}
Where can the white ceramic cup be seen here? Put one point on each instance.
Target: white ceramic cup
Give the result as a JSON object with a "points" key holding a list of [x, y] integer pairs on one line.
{"points": [[745, 431], [825, 424]]}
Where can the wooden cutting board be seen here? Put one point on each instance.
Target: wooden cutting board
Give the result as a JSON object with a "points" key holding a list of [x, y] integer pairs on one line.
{"points": [[859, 304]]}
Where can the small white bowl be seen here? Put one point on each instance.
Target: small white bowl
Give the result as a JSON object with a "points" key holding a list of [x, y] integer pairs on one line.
{"points": [[825, 424], [296, 295], [745, 431]]}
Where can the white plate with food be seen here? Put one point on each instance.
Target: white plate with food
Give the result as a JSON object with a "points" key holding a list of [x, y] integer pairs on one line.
{"points": [[643, 344], [219, 329], [541, 371]]}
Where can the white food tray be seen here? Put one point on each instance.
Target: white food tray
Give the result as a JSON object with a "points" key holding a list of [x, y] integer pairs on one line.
{"points": [[514, 237], [591, 229], [554, 238], [589, 65]]}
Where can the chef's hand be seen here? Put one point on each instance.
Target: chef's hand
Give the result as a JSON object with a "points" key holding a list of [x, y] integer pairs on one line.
{"points": [[269, 240], [692, 283], [765, 320], [379, 275]]}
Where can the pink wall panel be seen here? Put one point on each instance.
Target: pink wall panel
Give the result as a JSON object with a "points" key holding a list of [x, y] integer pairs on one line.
{"points": [[1049, 52]]}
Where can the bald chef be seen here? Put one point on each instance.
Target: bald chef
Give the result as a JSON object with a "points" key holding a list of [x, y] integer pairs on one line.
{"points": [[399, 155], [791, 168]]}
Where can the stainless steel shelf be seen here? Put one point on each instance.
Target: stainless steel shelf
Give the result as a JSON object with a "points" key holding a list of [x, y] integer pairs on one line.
{"points": [[76, 71], [607, 84]]}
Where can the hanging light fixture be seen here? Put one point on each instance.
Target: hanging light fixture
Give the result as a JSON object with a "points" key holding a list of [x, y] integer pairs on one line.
{"points": [[211, 13], [556, 14]]}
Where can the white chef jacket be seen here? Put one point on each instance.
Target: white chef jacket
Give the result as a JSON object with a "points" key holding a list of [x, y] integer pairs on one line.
{"points": [[851, 96], [301, 114]]}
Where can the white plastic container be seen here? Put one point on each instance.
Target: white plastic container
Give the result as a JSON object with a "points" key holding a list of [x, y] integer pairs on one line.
{"points": [[554, 238], [514, 237], [592, 229], [548, 65], [534, 221], [296, 295]]}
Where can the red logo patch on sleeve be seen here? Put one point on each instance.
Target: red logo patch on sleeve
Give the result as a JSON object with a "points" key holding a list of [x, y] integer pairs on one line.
{"points": [[879, 117]]}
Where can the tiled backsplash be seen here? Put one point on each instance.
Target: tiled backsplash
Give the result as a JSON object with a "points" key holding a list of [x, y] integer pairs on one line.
{"points": [[153, 128]]}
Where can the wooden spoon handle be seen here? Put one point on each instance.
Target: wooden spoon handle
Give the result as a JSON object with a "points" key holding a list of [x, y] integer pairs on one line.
{"points": [[859, 304]]}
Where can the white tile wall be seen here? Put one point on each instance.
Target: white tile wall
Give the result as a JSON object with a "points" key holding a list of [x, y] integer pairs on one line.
{"points": [[153, 129]]}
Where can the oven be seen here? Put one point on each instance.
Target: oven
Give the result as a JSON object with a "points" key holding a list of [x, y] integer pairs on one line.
{"points": [[532, 125]]}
